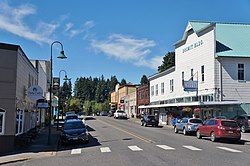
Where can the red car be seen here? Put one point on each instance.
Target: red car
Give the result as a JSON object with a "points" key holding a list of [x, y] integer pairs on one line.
{"points": [[219, 129]]}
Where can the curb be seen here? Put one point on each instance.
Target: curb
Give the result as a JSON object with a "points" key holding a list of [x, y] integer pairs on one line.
{"points": [[14, 161]]}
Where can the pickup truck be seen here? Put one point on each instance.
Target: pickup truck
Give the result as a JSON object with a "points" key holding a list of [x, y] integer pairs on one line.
{"points": [[120, 114]]}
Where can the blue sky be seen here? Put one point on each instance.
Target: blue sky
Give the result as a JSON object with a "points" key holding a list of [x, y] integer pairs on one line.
{"points": [[126, 38]]}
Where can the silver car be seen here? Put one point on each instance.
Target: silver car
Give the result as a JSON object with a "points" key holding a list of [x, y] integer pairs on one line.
{"points": [[187, 125]]}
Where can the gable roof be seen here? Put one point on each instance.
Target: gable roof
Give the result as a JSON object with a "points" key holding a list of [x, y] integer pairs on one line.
{"points": [[232, 39]]}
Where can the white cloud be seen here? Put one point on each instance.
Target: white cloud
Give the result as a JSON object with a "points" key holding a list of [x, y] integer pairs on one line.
{"points": [[128, 49], [12, 21], [70, 31]]}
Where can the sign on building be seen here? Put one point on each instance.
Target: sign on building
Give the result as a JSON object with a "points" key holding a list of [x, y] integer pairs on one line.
{"points": [[35, 92], [190, 85]]}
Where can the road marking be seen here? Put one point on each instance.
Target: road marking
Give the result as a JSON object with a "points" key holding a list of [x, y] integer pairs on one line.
{"points": [[134, 148], [105, 149], [229, 149], [192, 148], [132, 134], [76, 151], [165, 147]]}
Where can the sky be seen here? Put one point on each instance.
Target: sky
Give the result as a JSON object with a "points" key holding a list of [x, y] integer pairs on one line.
{"points": [[122, 38]]}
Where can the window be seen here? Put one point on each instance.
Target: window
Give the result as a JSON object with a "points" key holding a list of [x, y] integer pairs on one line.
{"points": [[2, 121], [146, 93], [156, 89], [19, 121], [171, 85], [162, 88], [192, 74], [202, 73], [182, 76], [152, 90], [241, 72]]}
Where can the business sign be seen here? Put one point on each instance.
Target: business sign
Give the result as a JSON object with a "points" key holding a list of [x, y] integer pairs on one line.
{"points": [[190, 85], [42, 105], [35, 92]]}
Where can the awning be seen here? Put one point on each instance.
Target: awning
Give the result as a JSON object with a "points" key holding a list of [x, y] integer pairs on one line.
{"points": [[191, 104]]}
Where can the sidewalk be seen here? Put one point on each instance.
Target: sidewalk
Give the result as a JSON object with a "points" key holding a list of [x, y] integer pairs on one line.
{"points": [[38, 147]]}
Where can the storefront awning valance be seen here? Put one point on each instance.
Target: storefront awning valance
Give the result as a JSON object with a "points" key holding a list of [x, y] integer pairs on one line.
{"points": [[191, 104]]}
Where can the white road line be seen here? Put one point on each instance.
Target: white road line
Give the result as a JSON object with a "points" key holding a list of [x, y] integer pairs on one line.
{"points": [[192, 148], [76, 151], [165, 147], [134, 148], [229, 149], [105, 149]]}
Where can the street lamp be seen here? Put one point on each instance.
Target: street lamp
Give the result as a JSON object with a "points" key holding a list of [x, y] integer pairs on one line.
{"points": [[62, 56], [59, 94]]}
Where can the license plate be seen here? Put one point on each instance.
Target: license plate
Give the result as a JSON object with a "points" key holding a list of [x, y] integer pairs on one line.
{"points": [[153, 120], [75, 138], [230, 132]]}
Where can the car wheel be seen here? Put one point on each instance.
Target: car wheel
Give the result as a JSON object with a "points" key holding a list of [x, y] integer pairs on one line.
{"points": [[243, 129], [175, 130], [213, 137], [198, 134], [184, 131], [142, 123]]}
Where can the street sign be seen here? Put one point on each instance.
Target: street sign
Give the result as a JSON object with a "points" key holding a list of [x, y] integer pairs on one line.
{"points": [[35, 92], [42, 105]]}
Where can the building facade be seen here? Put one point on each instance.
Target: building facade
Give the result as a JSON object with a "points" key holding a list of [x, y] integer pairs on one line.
{"points": [[211, 74], [18, 113], [142, 98]]}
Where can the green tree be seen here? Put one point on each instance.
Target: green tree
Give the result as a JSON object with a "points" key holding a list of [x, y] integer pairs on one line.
{"points": [[144, 80], [168, 61], [123, 82]]}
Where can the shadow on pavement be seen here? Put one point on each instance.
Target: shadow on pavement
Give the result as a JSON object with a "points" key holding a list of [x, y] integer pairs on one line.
{"points": [[228, 141]]}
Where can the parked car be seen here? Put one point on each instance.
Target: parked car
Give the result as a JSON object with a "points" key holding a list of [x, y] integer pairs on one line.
{"points": [[120, 114], [74, 130], [104, 113], [219, 129], [149, 120], [187, 125], [244, 122], [71, 116], [68, 113], [111, 113]]}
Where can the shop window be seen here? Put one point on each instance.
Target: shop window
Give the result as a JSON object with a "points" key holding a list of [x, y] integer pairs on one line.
{"points": [[171, 85], [202, 73], [156, 89], [19, 121], [241, 72], [162, 88], [192, 74], [2, 121], [152, 90]]}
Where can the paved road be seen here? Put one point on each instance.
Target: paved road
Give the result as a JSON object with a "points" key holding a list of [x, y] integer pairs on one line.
{"points": [[116, 142]]}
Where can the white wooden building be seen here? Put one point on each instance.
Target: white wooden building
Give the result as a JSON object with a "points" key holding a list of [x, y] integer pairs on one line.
{"points": [[215, 58]]}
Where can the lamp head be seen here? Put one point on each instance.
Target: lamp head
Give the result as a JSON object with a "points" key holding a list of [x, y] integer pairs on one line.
{"points": [[62, 56]]}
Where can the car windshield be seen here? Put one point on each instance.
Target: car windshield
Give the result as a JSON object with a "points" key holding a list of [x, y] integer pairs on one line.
{"points": [[195, 121], [120, 111], [151, 117], [73, 125], [229, 124]]}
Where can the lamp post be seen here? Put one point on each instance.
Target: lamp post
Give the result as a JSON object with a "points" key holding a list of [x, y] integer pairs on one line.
{"points": [[59, 95], [62, 56]]}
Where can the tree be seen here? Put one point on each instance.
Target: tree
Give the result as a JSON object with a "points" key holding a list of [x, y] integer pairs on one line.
{"points": [[168, 61], [144, 80], [123, 82]]}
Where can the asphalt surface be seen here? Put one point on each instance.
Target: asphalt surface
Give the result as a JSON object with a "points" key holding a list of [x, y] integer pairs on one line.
{"points": [[116, 142]]}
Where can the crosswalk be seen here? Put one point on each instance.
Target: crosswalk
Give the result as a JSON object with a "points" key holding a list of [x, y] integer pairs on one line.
{"points": [[135, 148]]}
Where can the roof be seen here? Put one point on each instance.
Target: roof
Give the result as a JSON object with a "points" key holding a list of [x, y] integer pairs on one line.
{"points": [[232, 39]]}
